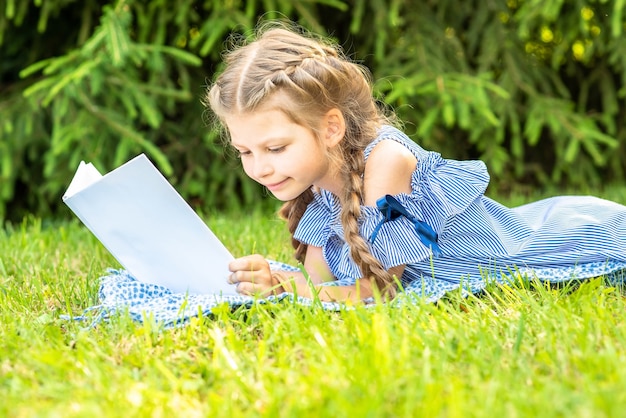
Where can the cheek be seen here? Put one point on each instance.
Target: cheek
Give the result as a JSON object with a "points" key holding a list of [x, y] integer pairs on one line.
{"points": [[248, 168], [317, 161]]}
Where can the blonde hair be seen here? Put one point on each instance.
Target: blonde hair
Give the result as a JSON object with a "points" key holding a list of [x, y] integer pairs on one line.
{"points": [[315, 76]]}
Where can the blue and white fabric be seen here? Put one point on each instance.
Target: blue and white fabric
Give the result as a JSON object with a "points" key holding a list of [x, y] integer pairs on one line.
{"points": [[121, 293]]}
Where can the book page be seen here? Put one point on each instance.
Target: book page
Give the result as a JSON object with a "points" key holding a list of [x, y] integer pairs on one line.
{"points": [[153, 233], [86, 174]]}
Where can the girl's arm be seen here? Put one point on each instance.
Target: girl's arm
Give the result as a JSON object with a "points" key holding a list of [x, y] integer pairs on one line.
{"points": [[256, 278], [296, 283], [253, 276], [290, 282], [316, 267]]}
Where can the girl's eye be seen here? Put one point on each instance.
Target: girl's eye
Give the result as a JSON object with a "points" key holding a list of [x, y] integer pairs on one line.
{"points": [[243, 153], [276, 149]]}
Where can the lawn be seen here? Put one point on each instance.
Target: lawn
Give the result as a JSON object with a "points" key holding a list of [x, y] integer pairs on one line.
{"points": [[519, 350]]}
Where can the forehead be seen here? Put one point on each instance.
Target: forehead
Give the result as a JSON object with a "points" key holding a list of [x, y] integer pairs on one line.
{"points": [[261, 126]]}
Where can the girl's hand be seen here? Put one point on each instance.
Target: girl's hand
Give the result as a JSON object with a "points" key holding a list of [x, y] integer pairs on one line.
{"points": [[252, 276]]}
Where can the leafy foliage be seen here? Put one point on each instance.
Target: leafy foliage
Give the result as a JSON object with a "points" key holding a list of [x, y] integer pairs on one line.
{"points": [[535, 88]]}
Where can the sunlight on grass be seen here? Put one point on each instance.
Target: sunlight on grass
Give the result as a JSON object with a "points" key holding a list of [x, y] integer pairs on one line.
{"points": [[524, 349]]}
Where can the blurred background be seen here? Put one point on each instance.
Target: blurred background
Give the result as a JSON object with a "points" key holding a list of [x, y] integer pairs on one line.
{"points": [[535, 88]]}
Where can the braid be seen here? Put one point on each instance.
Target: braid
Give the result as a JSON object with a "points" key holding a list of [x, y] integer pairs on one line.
{"points": [[292, 211], [350, 213]]}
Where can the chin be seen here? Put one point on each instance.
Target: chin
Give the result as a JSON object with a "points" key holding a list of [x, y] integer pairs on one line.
{"points": [[286, 196]]}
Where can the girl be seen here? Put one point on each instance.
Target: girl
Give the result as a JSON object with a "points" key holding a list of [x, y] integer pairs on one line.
{"points": [[369, 210]]}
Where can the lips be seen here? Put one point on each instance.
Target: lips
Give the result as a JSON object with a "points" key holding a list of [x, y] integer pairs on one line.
{"points": [[275, 186]]}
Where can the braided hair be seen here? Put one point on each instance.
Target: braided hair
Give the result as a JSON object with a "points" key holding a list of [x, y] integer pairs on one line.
{"points": [[315, 76]]}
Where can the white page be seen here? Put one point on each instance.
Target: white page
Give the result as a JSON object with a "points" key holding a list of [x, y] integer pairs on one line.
{"points": [[149, 228], [85, 176]]}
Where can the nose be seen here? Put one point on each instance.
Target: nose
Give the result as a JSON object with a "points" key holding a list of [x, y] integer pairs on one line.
{"points": [[262, 167]]}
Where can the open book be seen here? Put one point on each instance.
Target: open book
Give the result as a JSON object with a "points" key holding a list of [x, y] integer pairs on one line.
{"points": [[149, 228]]}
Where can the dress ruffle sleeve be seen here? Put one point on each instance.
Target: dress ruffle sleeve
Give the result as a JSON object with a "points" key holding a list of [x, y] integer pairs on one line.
{"points": [[440, 189], [314, 226], [444, 188]]}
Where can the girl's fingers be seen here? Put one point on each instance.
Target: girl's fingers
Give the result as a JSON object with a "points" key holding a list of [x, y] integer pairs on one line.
{"points": [[252, 289], [250, 262], [248, 276], [245, 288], [250, 269]]}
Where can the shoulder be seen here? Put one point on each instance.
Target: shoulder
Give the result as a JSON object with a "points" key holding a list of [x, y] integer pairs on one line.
{"points": [[388, 170]]}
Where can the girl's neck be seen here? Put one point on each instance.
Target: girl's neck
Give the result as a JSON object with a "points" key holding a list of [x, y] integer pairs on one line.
{"points": [[333, 181]]}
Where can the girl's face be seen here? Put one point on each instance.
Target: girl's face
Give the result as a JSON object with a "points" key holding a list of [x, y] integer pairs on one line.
{"points": [[283, 156]]}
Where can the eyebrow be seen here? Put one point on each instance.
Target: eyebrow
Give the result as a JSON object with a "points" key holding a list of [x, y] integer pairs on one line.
{"points": [[263, 143]]}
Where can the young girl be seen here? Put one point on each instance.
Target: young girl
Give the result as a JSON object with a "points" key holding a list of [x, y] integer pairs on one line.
{"points": [[368, 209]]}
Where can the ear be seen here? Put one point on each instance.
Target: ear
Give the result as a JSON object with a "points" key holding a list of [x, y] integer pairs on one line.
{"points": [[333, 127]]}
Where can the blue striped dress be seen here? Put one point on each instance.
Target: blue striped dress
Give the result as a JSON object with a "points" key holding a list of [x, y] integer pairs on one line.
{"points": [[556, 239]]}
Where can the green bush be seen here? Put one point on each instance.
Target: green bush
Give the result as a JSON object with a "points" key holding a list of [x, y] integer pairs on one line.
{"points": [[534, 87]]}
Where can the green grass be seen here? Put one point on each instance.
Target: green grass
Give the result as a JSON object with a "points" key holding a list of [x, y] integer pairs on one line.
{"points": [[514, 351]]}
